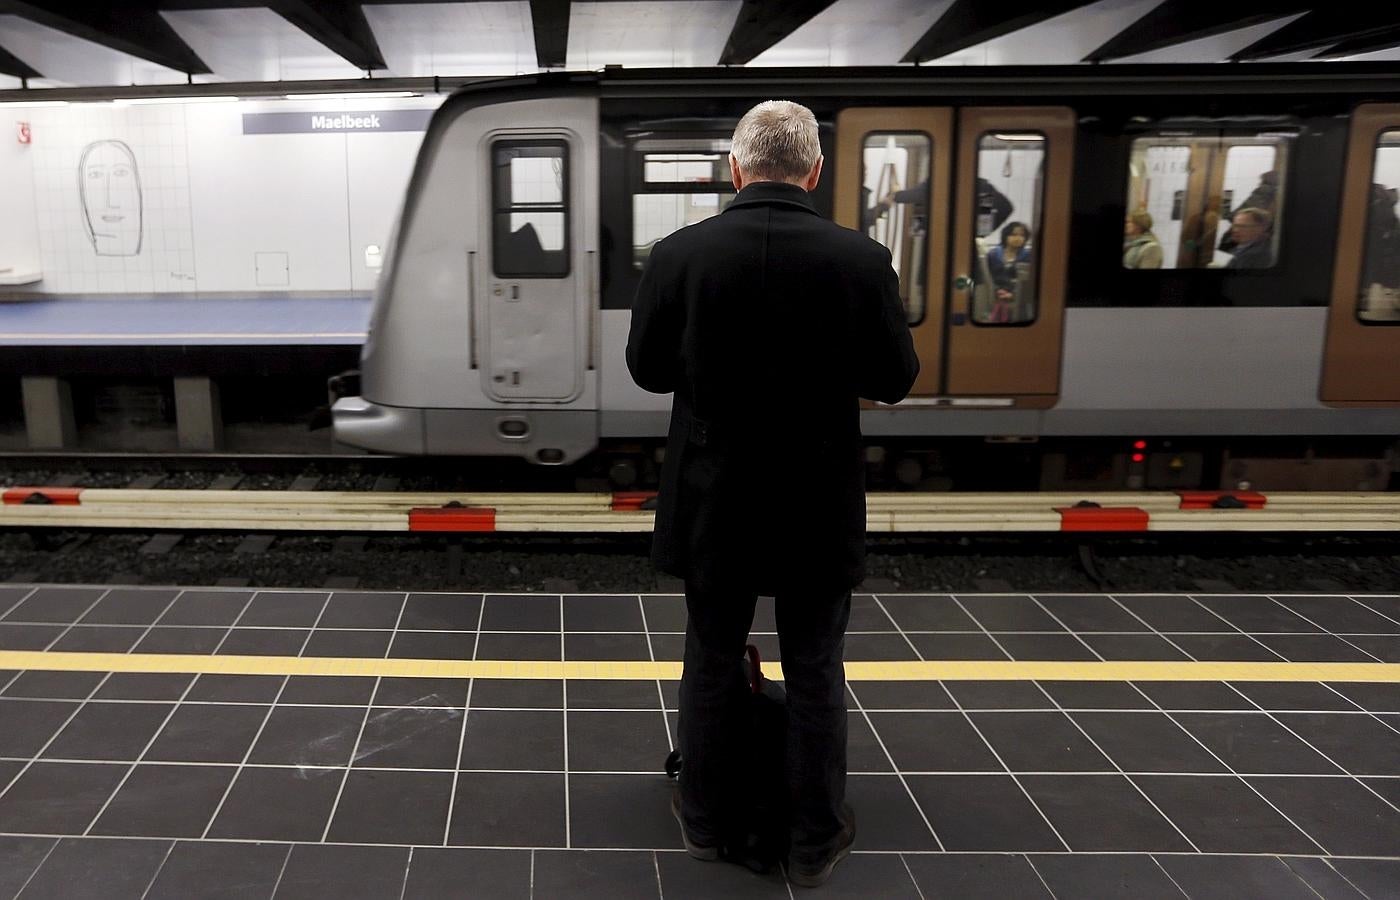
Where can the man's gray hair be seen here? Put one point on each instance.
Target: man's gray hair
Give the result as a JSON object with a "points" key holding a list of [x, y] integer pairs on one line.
{"points": [[776, 141]]}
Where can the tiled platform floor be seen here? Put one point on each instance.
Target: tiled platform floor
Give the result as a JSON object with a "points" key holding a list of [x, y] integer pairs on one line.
{"points": [[130, 784]]}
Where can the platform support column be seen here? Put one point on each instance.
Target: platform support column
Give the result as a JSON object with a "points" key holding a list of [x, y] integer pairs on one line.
{"points": [[48, 412], [199, 421]]}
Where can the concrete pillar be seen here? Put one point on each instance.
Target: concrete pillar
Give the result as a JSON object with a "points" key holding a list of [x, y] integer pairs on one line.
{"points": [[199, 421], [48, 413]]}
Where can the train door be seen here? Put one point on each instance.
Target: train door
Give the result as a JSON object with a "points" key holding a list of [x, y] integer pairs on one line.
{"points": [[532, 310], [1362, 361], [980, 254]]}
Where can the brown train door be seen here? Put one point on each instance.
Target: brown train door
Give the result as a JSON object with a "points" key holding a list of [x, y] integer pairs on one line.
{"points": [[1361, 365], [980, 255]]}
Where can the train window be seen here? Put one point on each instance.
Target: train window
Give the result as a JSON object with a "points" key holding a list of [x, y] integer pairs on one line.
{"points": [[530, 187], [677, 181], [1380, 269], [895, 203], [1200, 201], [1010, 196]]}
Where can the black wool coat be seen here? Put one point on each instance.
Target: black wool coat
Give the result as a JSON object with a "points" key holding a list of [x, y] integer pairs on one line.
{"points": [[768, 322]]}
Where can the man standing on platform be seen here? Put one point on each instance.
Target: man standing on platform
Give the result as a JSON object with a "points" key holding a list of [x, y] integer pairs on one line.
{"points": [[768, 322]]}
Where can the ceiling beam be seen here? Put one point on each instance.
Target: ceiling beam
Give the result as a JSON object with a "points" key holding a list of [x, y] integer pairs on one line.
{"points": [[968, 23], [763, 23], [340, 27], [1178, 21], [1378, 39], [1320, 29], [551, 22], [127, 26], [15, 67]]}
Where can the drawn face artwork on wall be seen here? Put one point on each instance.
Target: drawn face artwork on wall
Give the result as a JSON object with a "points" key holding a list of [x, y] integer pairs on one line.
{"points": [[110, 189]]}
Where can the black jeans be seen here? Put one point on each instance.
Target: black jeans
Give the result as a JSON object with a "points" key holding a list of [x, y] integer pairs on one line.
{"points": [[812, 638]]}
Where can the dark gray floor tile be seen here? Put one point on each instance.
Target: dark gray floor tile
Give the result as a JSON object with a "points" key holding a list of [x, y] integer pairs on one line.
{"points": [[457, 873], [20, 857], [28, 637], [866, 875], [55, 685], [765, 615], [962, 645], [1358, 743], [886, 817], [165, 801], [1385, 604], [393, 808], [622, 811], [617, 741], [512, 809], [601, 694], [573, 873], [1324, 879], [1146, 742], [1386, 647], [1091, 612], [901, 695], [1133, 647], [1222, 815], [866, 615], [9, 768], [1375, 697], [58, 798], [206, 608], [1315, 648], [434, 645], [441, 612], [877, 647], [236, 688], [211, 870], [1375, 877], [671, 694], [1079, 805], [208, 733], [1187, 695], [976, 877], [683, 878], [180, 640], [1389, 788], [55, 605], [130, 606], [1045, 646], [668, 647], [98, 639], [410, 738], [981, 812], [353, 644], [80, 869], [1168, 613], [1225, 647], [11, 595], [664, 612], [335, 690], [927, 612], [1293, 695], [998, 695], [308, 736], [1096, 695], [589, 612], [1040, 742], [517, 693], [1106, 877], [1231, 877], [934, 742], [278, 804], [283, 609], [1254, 614], [1340, 615], [263, 642], [1340, 814], [1253, 743], [1009, 612], [26, 725], [316, 872], [362, 609], [143, 686], [863, 751], [111, 731], [521, 612], [519, 646], [439, 692], [514, 739], [591, 647]]}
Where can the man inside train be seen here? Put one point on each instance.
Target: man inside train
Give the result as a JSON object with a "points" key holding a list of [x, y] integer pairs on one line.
{"points": [[1251, 230], [769, 322]]}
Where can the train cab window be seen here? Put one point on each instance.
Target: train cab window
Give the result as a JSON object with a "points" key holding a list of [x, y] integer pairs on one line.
{"points": [[530, 187], [675, 182], [1010, 195], [1380, 268], [895, 204], [1198, 201]]}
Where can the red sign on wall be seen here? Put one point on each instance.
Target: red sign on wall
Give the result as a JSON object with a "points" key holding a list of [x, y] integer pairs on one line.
{"points": [[24, 136]]}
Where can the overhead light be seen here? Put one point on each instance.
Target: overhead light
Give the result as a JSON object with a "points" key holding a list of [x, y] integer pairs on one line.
{"points": [[33, 104], [146, 101], [353, 95]]}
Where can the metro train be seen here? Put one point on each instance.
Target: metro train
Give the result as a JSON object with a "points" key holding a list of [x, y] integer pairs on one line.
{"points": [[1116, 276]]}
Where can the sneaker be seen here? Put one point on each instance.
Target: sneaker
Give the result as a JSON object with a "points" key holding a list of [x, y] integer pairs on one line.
{"points": [[696, 850], [814, 873]]}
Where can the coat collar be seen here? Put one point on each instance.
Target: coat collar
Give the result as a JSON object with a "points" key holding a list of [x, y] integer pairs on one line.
{"points": [[773, 192]]}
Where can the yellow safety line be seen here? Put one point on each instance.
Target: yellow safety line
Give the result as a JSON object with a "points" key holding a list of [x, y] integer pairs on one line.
{"points": [[949, 670]]}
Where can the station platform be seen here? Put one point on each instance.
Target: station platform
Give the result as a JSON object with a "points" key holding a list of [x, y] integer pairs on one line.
{"points": [[162, 742]]}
